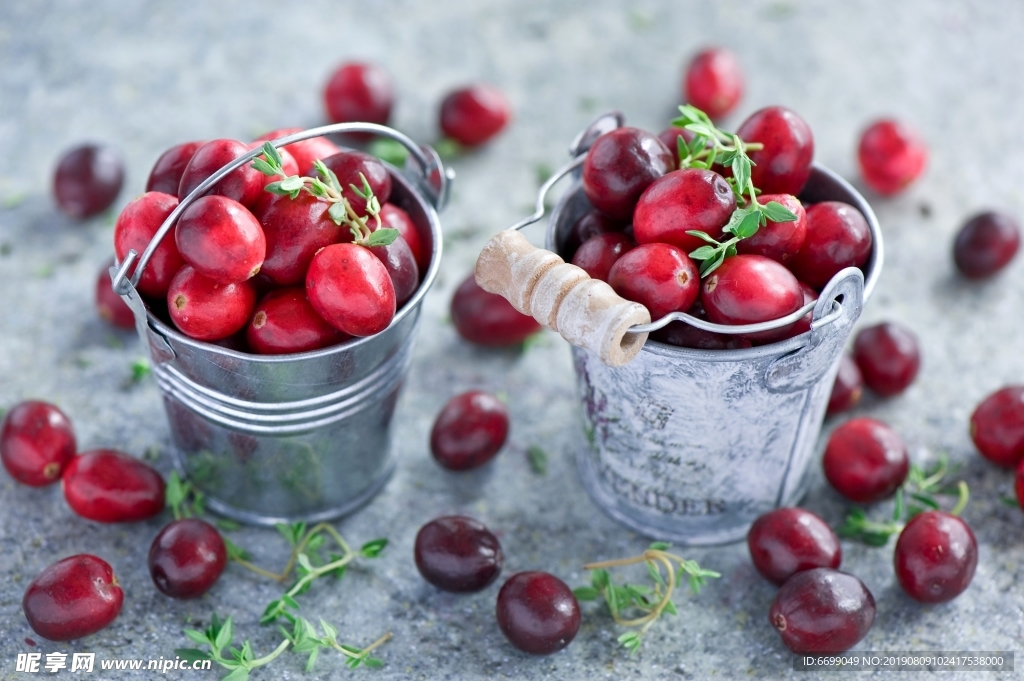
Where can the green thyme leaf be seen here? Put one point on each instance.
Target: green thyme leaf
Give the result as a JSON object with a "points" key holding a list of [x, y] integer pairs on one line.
{"points": [[586, 593], [372, 549], [389, 151], [382, 237], [776, 212], [337, 213], [538, 459], [702, 235]]}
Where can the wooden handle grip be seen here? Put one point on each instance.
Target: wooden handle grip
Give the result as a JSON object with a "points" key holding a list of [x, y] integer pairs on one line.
{"points": [[562, 297]]}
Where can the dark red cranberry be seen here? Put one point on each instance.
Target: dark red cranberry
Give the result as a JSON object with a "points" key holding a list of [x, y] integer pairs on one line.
{"points": [[891, 156], [400, 263], [112, 487], [206, 310], [348, 165], [73, 598], [747, 289], [358, 92], [36, 443], [620, 165], [848, 387], [537, 613], [779, 241], [683, 200], [474, 114], [803, 325], [986, 244], [660, 277], [789, 540], [221, 239], [87, 180], [997, 426], [683, 335], [109, 305], [284, 322], [888, 357], [714, 82], [865, 460], [244, 184], [784, 164], [838, 236], [670, 138], [350, 288], [391, 216], [935, 557], [135, 228], [589, 225], [822, 611], [165, 177], [295, 229], [469, 431], [306, 151], [597, 255], [458, 554], [487, 318], [187, 558]]}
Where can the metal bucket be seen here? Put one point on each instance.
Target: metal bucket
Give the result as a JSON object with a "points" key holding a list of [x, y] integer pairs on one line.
{"points": [[282, 438]]}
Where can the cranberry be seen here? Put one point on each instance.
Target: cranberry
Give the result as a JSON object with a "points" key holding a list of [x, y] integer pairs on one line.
{"points": [[747, 289], [986, 244], [888, 357], [822, 611], [474, 114], [838, 236], [400, 263], [165, 177], [350, 288], [935, 557], [537, 612], [589, 225], [348, 165], [784, 164], [73, 598], [295, 229], [112, 487], [206, 310], [469, 431], [620, 165], [683, 335], [597, 255], [803, 325], [660, 277], [304, 152], [714, 82], [688, 199], [789, 540], [244, 184], [848, 387], [865, 460], [221, 239], [284, 322], [891, 156], [997, 426], [108, 304], [36, 443], [779, 241], [187, 558], [670, 138], [87, 180], [135, 228], [487, 318], [393, 217], [458, 554], [358, 92]]}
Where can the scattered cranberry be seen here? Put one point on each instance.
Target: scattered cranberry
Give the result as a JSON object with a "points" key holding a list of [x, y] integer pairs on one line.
{"points": [[400, 263], [865, 460], [597, 255], [888, 357], [206, 310], [87, 180], [660, 277], [935, 557], [474, 114], [487, 318], [784, 164], [350, 288], [295, 229], [108, 304], [747, 289], [848, 387], [838, 236], [469, 431], [165, 177], [891, 156], [788, 540], [458, 554], [589, 225], [36, 443], [683, 335], [683, 200], [244, 184], [359, 92], [112, 487], [997, 426], [779, 241], [221, 239], [537, 613], [986, 244], [73, 598], [304, 152], [393, 217], [822, 611], [714, 82], [620, 165], [284, 322], [187, 558], [135, 228], [348, 166]]}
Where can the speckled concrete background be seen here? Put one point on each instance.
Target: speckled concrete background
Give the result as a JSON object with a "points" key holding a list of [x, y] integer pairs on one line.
{"points": [[144, 76]]}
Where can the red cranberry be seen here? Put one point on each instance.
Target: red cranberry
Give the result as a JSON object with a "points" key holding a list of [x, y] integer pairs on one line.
{"points": [[284, 322], [295, 229], [358, 92], [660, 277], [597, 255], [803, 325], [822, 611], [348, 165], [747, 289], [165, 177], [779, 241], [306, 151], [112, 487], [395, 218], [714, 82], [589, 225], [935, 557], [888, 357], [244, 184], [73, 598], [838, 236], [688, 199], [537, 613], [683, 335], [487, 318], [997, 426], [848, 387], [109, 305], [986, 244], [891, 156], [789, 540], [469, 431], [458, 554], [87, 180], [784, 164], [187, 558], [221, 239], [474, 114], [400, 263], [620, 165], [135, 228], [350, 288], [865, 460], [206, 310], [36, 443]]}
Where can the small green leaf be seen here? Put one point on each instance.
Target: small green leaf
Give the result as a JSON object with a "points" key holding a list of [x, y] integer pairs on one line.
{"points": [[538, 459], [748, 226], [925, 500], [382, 237], [140, 370], [599, 578], [670, 608], [709, 266], [741, 170], [660, 546], [191, 654], [373, 662], [227, 525], [174, 492], [329, 630], [389, 151], [655, 573], [272, 154], [293, 183], [264, 167], [275, 188], [1010, 501], [239, 674], [271, 612], [373, 548], [225, 635], [682, 150], [313, 653], [338, 213], [703, 236], [303, 560], [704, 252], [586, 593], [291, 603], [776, 212], [197, 637]]}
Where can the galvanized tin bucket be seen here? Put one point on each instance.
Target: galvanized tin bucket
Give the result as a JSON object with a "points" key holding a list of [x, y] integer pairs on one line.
{"points": [[281, 438]]}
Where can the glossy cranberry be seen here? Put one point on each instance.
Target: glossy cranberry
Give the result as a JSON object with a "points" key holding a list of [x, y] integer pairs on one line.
{"points": [[803, 325], [306, 151], [469, 431], [391, 216], [487, 318], [683, 200], [284, 322], [670, 138], [620, 166], [458, 554], [109, 305], [112, 487], [537, 613], [891, 156], [779, 241], [986, 244], [348, 165], [187, 558], [400, 263], [244, 184], [221, 239], [747, 289], [36, 443], [589, 225], [135, 228], [822, 611], [865, 460], [784, 164], [789, 540], [935, 557], [597, 255], [997, 426], [838, 236], [87, 180], [848, 387], [474, 114], [660, 277], [683, 335], [714, 82], [350, 288], [295, 229], [358, 92], [206, 310], [165, 177], [888, 357], [73, 598]]}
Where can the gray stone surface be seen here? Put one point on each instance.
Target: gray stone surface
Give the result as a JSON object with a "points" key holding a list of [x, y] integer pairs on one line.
{"points": [[144, 76]]}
